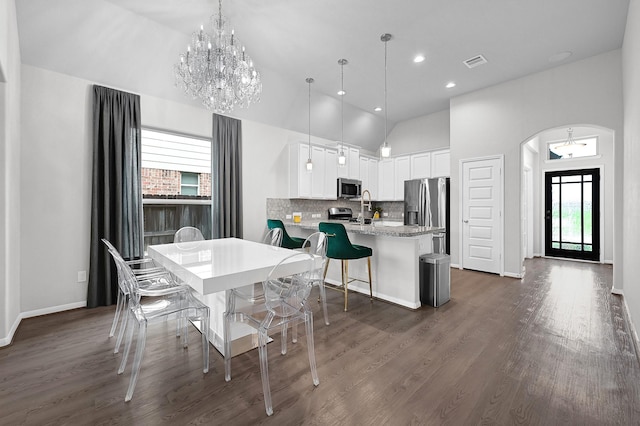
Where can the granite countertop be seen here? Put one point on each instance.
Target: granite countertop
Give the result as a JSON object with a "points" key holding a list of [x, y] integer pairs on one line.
{"points": [[385, 228]]}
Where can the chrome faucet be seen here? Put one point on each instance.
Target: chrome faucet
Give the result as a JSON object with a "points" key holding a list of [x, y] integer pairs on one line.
{"points": [[362, 204]]}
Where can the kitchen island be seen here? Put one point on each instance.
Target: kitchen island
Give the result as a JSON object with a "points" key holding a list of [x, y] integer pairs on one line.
{"points": [[394, 264]]}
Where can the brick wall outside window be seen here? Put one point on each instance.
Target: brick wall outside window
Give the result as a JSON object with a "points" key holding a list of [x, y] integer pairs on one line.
{"points": [[167, 182]]}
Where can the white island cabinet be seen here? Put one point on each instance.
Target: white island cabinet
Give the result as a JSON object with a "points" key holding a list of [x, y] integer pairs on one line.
{"points": [[394, 264]]}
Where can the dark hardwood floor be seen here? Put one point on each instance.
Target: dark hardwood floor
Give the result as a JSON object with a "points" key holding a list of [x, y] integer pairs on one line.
{"points": [[553, 348]]}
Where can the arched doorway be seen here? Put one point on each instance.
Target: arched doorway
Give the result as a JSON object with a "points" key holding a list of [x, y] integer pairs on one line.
{"points": [[569, 225]]}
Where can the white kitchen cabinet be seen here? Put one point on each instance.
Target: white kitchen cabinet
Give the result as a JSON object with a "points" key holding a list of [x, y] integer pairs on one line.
{"points": [[421, 165], [373, 178], [317, 174], [330, 174], [369, 175], [299, 177], [386, 183], [320, 183], [402, 172], [353, 162], [440, 163]]}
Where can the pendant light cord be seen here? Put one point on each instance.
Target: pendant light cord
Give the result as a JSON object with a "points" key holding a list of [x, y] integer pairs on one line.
{"points": [[342, 106], [385, 92]]}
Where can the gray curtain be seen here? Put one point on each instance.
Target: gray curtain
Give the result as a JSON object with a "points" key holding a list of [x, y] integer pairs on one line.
{"points": [[227, 177], [116, 201]]}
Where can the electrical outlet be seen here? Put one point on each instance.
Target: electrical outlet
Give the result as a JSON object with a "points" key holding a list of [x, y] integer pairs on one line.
{"points": [[385, 214], [82, 276], [288, 216]]}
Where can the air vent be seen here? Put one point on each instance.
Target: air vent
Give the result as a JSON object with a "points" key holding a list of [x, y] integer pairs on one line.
{"points": [[475, 61]]}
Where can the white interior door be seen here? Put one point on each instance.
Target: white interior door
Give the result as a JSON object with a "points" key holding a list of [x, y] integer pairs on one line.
{"points": [[482, 214]]}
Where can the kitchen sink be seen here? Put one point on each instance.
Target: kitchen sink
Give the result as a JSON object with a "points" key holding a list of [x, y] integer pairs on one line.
{"points": [[389, 223]]}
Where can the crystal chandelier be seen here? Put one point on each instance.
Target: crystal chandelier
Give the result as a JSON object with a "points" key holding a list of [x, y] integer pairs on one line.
{"points": [[385, 150], [217, 70]]}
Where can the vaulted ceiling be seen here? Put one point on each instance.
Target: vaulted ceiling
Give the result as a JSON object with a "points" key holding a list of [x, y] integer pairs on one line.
{"points": [[133, 44]]}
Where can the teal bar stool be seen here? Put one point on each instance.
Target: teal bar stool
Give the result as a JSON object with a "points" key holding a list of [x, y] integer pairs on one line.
{"points": [[287, 241], [339, 247]]}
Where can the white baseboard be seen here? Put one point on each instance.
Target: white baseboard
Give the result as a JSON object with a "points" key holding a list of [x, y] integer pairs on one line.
{"points": [[609, 262], [455, 265], [632, 328], [5, 341], [53, 309], [512, 275], [617, 291]]}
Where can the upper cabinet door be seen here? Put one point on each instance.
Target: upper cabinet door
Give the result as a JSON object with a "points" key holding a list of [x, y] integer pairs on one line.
{"points": [[317, 175], [353, 162], [440, 163], [421, 165], [364, 173], [402, 173], [299, 178], [386, 184], [373, 178], [331, 174]]}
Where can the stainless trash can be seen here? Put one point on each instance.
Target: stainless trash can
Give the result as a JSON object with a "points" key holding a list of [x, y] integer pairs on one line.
{"points": [[435, 279]]}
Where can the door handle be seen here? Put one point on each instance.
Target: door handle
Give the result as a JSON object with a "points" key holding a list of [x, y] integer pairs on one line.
{"points": [[465, 221]]}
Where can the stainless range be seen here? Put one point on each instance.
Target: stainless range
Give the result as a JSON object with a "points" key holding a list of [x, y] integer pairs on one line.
{"points": [[344, 214]]}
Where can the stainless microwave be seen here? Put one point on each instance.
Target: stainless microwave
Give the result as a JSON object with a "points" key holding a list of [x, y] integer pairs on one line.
{"points": [[349, 188]]}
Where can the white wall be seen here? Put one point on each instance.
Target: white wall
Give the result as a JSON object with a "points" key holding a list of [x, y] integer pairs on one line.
{"points": [[631, 200], [530, 159], [423, 133], [496, 120], [56, 179], [9, 173]]}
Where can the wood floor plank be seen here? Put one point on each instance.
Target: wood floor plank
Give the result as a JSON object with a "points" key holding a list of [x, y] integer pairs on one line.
{"points": [[552, 348]]}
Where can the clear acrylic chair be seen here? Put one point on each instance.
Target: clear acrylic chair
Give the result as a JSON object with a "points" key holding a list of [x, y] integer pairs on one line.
{"points": [[151, 277], [285, 302], [167, 304], [253, 293], [316, 244], [187, 233]]}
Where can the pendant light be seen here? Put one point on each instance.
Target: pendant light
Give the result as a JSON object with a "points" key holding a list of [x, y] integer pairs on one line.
{"points": [[342, 159], [385, 150], [309, 162], [570, 146]]}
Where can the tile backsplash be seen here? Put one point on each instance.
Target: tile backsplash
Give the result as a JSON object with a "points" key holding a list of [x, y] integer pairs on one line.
{"points": [[279, 208]]}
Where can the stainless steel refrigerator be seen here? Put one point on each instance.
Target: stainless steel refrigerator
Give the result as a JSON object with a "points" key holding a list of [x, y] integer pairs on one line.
{"points": [[426, 203]]}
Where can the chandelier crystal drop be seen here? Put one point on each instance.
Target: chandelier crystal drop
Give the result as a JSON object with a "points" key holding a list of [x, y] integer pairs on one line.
{"points": [[217, 70]]}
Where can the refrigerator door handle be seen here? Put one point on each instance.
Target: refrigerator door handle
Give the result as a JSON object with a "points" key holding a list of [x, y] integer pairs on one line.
{"points": [[420, 206], [428, 216]]}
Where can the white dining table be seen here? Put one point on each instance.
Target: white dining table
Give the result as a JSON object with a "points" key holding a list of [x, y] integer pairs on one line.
{"points": [[212, 267]]}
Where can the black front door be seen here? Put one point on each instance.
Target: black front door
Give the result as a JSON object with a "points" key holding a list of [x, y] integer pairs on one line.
{"points": [[572, 214]]}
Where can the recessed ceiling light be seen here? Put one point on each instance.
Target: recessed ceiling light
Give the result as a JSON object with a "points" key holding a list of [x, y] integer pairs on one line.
{"points": [[450, 85], [561, 56], [342, 92], [377, 109], [418, 59]]}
